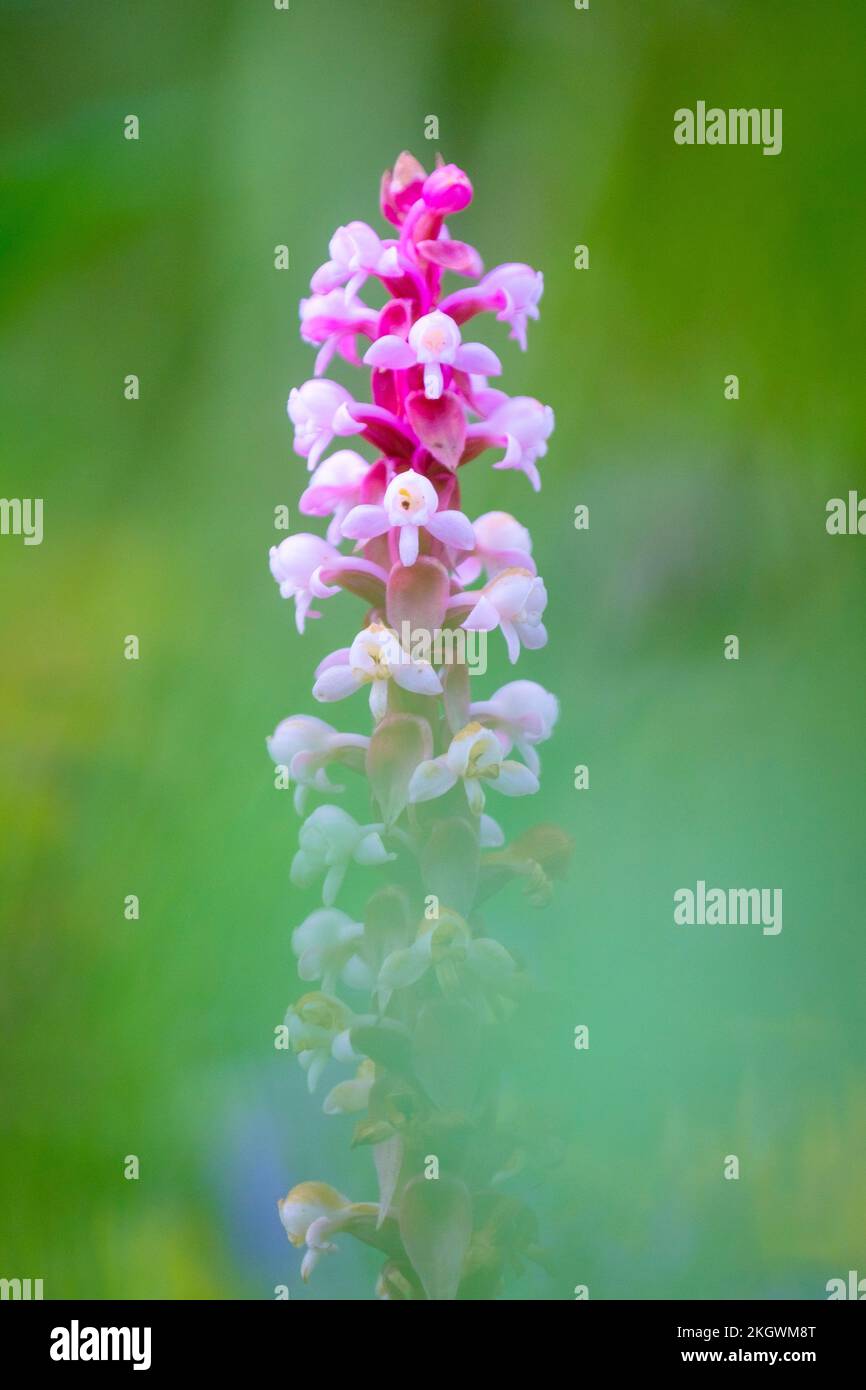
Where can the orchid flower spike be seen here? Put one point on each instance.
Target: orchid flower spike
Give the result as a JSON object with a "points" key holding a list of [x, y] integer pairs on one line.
{"points": [[410, 502], [434, 342], [412, 560]]}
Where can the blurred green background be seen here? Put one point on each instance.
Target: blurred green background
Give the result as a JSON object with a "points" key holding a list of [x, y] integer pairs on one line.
{"points": [[154, 1037]]}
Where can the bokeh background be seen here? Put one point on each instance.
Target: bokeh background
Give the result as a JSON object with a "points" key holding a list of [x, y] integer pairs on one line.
{"points": [[154, 1037]]}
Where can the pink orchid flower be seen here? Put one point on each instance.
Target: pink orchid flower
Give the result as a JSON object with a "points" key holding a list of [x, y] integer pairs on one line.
{"points": [[434, 342], [312, 408], [522, 714], [410, 502], [509, 291], [374, 658], [500, 543], [305, 746], [332, 322], [522, 288], [519, 423], [295, 564], [334, 489], [514, 602], [356, 252]]}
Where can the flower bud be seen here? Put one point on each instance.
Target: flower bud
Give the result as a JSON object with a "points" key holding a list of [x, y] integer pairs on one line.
{"points": [[401, 187], [447, 190]]}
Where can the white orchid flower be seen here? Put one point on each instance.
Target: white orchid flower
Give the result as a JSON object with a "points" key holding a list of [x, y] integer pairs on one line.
{"points": [[475, 755], [524, 712], [374, 658], [329, 840], [446, 940], [318, 1025], [410, 502], [434, 342], [312, 1212], [515, 602], [305, 745], [312, 408], [295, 564], [326, 944], [355, 252]]}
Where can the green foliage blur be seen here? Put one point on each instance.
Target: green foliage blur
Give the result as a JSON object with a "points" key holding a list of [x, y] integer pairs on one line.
{"points": [[155, 1037]]}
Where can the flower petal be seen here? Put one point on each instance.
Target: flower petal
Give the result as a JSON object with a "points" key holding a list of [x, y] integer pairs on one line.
{"points": [[371, 850], [457, 256], [431, 779], [491, 834], [389, 352], [483, 618], [348, 1097], [452, 528], [364, 522], [514, 779], [378, 699], [489, 959], [402, 968], [532, 635], [417, 676], [512, 640], [433, 380], [335, 683], [477, 360], [408, 544]]}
